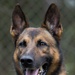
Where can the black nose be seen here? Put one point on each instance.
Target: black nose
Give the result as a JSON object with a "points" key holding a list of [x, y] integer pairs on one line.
{"points": [[26, 61]]}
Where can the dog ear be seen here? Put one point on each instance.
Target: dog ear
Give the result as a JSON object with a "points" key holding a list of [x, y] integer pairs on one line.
{"points": [[52, 21], [19, 22]]}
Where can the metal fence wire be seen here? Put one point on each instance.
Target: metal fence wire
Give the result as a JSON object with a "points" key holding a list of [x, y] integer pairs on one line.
{"points": [[35, 11]]}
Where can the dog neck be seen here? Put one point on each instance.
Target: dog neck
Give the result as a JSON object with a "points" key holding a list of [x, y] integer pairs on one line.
{"points": [[58, 70]]}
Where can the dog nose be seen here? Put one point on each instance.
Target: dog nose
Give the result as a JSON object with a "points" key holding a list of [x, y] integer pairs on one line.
{"points": [[26, 61]]}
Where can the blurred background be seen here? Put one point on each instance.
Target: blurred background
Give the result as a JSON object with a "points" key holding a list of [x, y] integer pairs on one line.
{"points": [[35, 11]]}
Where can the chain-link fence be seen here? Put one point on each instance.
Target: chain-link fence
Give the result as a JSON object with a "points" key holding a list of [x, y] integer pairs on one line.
{"points": [[35, 11]]}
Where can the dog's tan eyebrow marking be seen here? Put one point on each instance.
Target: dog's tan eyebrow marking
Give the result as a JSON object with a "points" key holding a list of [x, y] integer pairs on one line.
{"points": [[29, 33]]}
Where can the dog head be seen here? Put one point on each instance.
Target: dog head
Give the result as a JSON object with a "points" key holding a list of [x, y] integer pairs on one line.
{"points": [[36, 49]]}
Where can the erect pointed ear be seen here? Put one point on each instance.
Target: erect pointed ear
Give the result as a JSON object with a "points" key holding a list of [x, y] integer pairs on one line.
{"points": [[19, 22], [52, 21]]}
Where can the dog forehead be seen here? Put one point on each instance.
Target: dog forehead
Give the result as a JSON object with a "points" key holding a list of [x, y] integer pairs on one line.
{"points": [[37, 33], [32, 31]]}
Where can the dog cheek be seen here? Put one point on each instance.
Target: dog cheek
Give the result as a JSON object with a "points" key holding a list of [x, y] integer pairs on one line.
{"points": [[16, 56], [45, 51], [54, 53]]}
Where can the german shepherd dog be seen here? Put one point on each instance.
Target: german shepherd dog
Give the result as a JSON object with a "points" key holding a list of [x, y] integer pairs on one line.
{"points": [[37, 50]]}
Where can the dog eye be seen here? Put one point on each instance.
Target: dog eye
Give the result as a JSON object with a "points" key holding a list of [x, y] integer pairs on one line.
{"points": [[41, 43], [23, 44]]}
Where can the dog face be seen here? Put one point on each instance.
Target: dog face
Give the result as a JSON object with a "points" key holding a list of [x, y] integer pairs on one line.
{"points": [[36, 49]]}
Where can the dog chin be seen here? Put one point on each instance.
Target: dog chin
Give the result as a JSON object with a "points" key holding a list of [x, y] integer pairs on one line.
{"points": [[40, 71]]}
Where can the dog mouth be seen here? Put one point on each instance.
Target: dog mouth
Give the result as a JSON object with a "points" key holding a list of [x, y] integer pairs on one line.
{"points": [[40, 71]]}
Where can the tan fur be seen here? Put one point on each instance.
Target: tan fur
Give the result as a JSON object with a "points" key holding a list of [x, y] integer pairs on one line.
{"points": [[45, 36]]}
